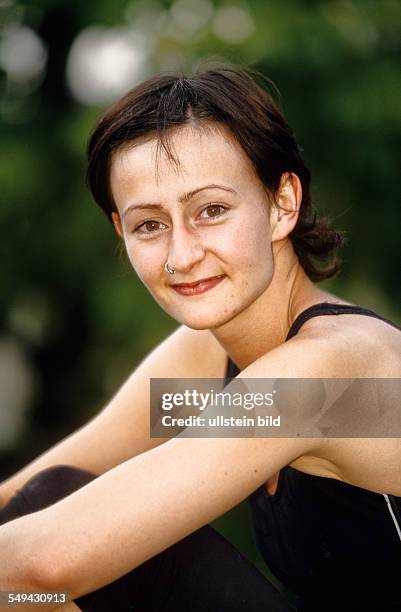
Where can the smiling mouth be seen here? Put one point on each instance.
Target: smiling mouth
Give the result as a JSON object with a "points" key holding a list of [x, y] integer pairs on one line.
{"points": [[198, 286]]}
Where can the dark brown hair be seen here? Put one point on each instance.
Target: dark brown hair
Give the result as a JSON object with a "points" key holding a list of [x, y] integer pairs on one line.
{"points": [[231, 96]]}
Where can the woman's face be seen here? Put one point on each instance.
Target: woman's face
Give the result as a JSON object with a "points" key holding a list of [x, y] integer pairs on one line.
{"points": [[208, 217]]}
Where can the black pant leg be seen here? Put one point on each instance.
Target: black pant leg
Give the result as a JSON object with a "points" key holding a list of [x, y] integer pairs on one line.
{"points": [[202, 572], [44, 489]]}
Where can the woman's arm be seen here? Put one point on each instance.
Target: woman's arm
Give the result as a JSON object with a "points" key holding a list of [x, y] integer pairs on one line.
{"points": [[148, 503], [121, 430], [136, 510]]}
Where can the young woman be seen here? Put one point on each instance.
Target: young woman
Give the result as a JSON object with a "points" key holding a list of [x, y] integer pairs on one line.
{"points": [[205, 184]]}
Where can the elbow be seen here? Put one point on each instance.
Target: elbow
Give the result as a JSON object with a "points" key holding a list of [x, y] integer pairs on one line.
{"points": [[48, 574], [53, 567], [28, 566], [45, 575]]}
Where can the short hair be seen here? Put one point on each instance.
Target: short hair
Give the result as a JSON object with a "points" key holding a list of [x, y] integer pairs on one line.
{"points": [[228, 95]]}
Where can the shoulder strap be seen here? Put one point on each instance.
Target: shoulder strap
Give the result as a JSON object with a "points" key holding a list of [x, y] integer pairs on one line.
{"points": [[327, 308], [323, 308]]}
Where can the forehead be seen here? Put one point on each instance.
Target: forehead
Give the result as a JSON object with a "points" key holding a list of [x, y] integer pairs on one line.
{"points": [[208, 153]]}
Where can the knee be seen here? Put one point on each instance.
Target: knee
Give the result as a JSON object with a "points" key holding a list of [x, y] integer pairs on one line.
{"points": [[52, 484]]}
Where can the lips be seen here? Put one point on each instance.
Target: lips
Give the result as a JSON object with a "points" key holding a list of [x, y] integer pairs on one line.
{"points": [[198, 286]]}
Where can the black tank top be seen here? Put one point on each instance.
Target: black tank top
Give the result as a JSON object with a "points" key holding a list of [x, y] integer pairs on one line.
{"points": [[335, 546]]}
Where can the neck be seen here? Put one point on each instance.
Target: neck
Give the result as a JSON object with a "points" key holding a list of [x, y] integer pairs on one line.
{"points": [[264, 325]]}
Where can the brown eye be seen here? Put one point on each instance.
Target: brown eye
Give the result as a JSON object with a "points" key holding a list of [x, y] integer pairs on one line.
{"points": [[151, 226], [213, 211]]}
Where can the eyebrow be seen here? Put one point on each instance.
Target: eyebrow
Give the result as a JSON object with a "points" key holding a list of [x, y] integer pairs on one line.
{"points": [[185, 197]]}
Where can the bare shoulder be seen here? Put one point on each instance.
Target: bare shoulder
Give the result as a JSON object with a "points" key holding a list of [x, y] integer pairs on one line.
{"points": [[188, 353], [343, 347]]}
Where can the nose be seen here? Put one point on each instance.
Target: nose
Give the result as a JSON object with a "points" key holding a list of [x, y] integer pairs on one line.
{"points": [[185, 249]]}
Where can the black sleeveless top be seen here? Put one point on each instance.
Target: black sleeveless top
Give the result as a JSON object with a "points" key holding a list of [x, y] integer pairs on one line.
{"points": [[335, 546]]}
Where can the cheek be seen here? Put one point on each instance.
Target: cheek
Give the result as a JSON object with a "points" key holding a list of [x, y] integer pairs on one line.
{"points": [[252, 242], [255, 256], [146, 262]]}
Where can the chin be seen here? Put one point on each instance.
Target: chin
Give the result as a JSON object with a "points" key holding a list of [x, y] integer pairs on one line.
{"points": [[208, 320]]}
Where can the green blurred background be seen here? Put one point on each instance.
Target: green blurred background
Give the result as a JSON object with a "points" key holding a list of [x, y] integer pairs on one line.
{"points": [[74, 319]]}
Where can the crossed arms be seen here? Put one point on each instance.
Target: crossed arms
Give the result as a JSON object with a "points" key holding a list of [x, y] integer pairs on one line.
{"points": [[143, 505]]}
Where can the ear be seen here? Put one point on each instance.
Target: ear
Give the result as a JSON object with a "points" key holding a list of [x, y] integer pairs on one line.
{"points": [[284, 214], [117, 224]]}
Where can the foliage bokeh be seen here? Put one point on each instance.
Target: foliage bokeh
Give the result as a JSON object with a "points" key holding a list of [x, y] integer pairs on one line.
{"points": [[74, 319]]}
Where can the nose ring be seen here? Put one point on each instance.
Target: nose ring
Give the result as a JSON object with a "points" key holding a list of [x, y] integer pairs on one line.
{"points": [[168, 269]]}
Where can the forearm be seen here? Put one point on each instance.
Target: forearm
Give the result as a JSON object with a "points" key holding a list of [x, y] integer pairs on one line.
{"points": [[135, 511], [96, 447], [20, 568], [121, 429], [109, 439]]}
